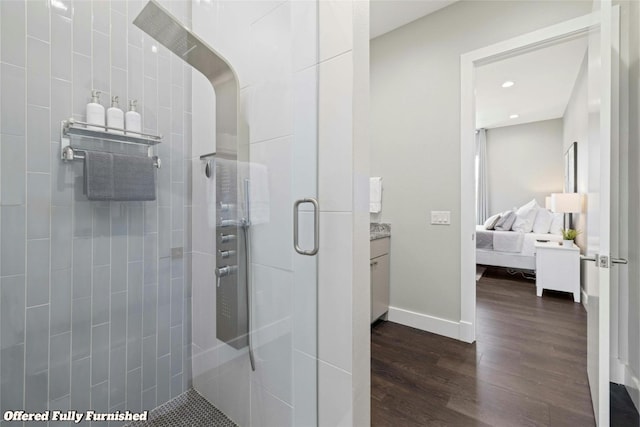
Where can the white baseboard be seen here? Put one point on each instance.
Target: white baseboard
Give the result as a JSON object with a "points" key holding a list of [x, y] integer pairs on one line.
{"points": [[585, 299], [425, 322], [617, 370]]}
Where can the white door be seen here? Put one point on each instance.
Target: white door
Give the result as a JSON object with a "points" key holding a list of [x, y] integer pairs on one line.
{"points": [[600, 213]]}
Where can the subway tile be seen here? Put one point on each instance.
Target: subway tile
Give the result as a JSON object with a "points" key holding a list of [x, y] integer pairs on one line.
{"points": [[12, 376], [38, 140], [164, 82], [150, 58], [82, 219], [81, 328], [35, 391], [12, 169], [117, 376], [267, 410], [62, 404], [13, 244], [100, 354], [118, 319], [37, 272], [100, 401], [38, 205], [136, 230], [135, 73], [81, 268], [177, 296], [38, 77], [82, 27], [177, 206], [164, 308], [134, 390], [60, 366], [177, 159], [150, 259], [149, 362], [164, 232], [176, 386], [119, 41], [119, 6], [61, 237], [12, 102], [134, 317], [177, 70], [100, 295], [119, 87], [101, 236], [135, 284], [177, 108], [61, 109], [164, 379], [82, 84], [13, 32], [118, 263], [149, 399], [81, 384], [100, 13], [37, 340], [272, 109], [335, 116], [38, 19], [150, 217], [101, 63], [61, 47], [149, 311], [150, 104], [176, 350], [12, 310], [60, 301]]}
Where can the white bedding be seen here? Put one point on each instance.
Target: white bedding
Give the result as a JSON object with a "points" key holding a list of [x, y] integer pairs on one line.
{"points": [[511, 241]]}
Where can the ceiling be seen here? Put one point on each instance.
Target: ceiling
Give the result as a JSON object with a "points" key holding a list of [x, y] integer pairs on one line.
{"points": [[544, 80], [387, 15]]}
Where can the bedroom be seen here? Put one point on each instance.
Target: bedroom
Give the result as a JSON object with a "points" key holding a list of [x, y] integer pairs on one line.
{"points": [[526, 151]]}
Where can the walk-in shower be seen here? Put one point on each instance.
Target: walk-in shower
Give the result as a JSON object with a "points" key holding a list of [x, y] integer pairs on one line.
{"points": [[119, 298]]}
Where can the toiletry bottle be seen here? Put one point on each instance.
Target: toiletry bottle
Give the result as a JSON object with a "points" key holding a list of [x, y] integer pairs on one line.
{"points": [[95, 112], [133, 121], [115, 117]]}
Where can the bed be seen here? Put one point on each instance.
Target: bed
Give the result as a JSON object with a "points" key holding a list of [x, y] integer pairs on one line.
{"points": [[510, 249]]}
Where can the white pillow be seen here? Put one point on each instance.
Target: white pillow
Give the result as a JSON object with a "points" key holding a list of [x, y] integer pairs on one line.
{"points": [[557, 224], [490, 223], [525, 219], [543, 221], [533, 204]]}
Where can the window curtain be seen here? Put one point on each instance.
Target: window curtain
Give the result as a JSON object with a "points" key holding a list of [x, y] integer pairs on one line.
{"points": [[482, 196]]}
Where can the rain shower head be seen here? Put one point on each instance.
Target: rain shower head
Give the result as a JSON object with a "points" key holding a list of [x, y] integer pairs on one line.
{"points": [[158, 23]]}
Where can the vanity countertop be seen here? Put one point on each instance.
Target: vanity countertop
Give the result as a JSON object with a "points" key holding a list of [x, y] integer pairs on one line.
{"points": [[379, 230]]}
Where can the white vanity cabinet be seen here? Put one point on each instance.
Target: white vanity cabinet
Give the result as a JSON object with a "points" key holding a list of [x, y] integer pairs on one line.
{"points": [[379, 265]]}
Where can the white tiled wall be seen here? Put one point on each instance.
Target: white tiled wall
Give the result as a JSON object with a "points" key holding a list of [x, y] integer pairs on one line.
{"points": [[94, 311]]}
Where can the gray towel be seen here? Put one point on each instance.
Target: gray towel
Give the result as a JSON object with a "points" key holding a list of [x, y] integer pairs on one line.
{"points": [[134, 178], [98, 175]]}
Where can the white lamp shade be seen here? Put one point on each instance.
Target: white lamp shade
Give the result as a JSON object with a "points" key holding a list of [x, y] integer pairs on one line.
{"points": [[566, 202]]}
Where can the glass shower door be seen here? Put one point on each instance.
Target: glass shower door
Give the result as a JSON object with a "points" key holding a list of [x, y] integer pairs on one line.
{"points": [[273, 51]]}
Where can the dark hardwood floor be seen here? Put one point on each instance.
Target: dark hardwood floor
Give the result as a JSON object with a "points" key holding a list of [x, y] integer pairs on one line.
{"points": [[527, 367]]}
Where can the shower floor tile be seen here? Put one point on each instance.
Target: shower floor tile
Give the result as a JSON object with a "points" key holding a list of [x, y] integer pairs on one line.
{"points": [[187, 410]]}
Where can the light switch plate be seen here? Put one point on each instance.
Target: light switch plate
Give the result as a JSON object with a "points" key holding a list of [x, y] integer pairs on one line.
{"points": [[441, 217]]}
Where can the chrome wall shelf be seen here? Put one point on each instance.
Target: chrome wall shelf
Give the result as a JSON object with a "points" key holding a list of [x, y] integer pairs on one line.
{"points": [[70, 129]]}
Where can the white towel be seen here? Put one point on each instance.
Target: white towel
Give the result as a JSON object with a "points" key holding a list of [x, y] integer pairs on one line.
{"points": [[375, 194]]}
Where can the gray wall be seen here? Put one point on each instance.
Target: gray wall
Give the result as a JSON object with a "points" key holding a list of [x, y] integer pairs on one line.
{"points": [[524, 162], [94, 312], [415, 144]]}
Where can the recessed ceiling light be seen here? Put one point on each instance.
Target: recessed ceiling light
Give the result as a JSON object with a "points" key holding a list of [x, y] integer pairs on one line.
{"points": [[508, 83], [514, 116]]}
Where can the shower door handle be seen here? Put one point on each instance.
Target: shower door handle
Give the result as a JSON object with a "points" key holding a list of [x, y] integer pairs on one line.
{"points": [[316, 226]]}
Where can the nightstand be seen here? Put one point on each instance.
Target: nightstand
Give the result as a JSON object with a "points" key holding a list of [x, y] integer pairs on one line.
{"points": [[558, 268]]}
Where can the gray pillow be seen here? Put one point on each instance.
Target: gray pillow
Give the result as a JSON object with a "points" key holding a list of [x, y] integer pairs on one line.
{"points": [[506, 221], [490, 224]]}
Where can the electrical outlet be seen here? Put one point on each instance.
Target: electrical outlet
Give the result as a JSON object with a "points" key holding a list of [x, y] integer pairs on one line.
{"points": [[441, 217]]}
